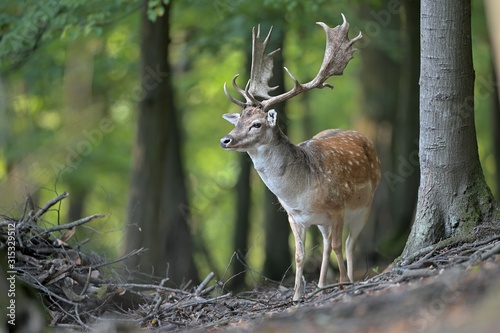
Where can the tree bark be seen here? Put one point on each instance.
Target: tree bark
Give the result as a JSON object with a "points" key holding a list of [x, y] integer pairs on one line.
{"points": [[453, 196], [380, 83], [404, 178], [158, 210], [492, 9], [242, 227], [78, 95], [276, 227], [495, 126]]}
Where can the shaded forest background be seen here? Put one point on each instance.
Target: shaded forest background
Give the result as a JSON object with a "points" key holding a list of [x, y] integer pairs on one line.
{"points": [[71, 98]]}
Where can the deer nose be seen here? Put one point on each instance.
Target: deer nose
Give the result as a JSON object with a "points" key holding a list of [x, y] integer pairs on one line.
{"points": [[225, 141]]}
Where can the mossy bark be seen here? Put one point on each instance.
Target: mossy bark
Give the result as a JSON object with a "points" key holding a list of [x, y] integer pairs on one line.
{"points": [[453, 196]]}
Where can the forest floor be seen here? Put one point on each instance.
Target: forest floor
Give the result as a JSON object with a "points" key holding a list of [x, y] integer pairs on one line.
{"points": [[446, 288]]}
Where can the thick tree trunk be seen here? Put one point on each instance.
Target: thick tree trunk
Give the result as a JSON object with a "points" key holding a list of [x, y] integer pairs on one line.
{"points": [[453, 196], [495, 126], [404, 179], [380, 73], [277, 231], [492, 9], [157, 205], [242, 227], [78, 78]]}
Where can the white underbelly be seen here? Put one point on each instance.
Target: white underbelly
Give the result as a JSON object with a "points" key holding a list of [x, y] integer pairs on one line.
{"points": [[307, 218]]}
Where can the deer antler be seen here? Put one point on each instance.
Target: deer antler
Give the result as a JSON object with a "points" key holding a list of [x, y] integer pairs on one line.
{"points": [[260, 73], [338, 53], [262, 66]]}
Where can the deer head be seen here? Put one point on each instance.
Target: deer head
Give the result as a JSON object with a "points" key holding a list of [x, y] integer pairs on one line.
{"points": [[252, 128], [257, 122]]}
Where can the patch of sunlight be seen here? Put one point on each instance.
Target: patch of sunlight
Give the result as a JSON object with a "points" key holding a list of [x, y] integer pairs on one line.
{"points": [[120, 111], [116, 41], [117, 73], [24, 104], [195, 95], [49, 120], [489, 164], [131, 53], [3, 168], [490, 168]]}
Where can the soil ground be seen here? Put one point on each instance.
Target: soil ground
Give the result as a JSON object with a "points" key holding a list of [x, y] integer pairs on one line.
{"points": [[445, 288]]}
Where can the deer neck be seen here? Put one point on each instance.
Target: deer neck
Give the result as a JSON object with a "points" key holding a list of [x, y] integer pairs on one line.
{"points": [[281, 165]]}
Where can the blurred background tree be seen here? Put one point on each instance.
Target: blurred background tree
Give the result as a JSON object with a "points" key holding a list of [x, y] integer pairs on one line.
{"points": [[72, 105]]}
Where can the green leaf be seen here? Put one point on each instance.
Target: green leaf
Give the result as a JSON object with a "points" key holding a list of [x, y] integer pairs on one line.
{"points": [[152, 15]]}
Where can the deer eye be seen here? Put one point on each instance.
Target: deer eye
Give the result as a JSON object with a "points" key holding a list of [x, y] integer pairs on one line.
{"points": [[256, 125]]}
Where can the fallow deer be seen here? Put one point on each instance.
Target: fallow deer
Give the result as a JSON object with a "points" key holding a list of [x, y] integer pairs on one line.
{"points": [[329, 180]]}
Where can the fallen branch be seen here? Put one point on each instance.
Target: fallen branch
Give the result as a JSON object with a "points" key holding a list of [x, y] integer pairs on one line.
{"points": [[49, 204], [150, 287], [72, 224], [204, 283]]}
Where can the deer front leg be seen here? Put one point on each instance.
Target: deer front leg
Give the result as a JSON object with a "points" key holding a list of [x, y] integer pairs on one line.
{"points": [[299, 233]]}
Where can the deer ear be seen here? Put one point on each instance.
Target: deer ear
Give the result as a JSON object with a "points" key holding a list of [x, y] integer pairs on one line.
{"points": [[231, 117], [272, 117]]}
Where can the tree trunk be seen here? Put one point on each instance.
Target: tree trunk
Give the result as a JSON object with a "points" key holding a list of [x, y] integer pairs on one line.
{"points": [[404, 179], [495, 124], [157, 204], [492, 9], [78, 78], [453, 196], [276, 227], [380, 73], [242, 227]]}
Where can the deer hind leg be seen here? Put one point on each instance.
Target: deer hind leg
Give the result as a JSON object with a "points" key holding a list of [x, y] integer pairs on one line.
{"points": [[355, 228], [336, 241], [327, 251], [299, 233]]}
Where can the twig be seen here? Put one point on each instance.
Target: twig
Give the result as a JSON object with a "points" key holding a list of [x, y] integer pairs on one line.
{"points": [[150, 286], [72, 224], [6, 221], [87, 282], [425, 251], [125, 257], [204, 301], [328, 287], [37, 285], [204, 283], [25, 208], [489, 253], [415, 273], [77, 314], [49, 204], [209, 289]]}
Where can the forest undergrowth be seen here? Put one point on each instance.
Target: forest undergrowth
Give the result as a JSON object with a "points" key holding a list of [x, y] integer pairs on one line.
{"points": [[446, 287]]}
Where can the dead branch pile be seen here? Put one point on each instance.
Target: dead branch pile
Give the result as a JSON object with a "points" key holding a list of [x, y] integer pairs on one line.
{"points": [[71, 283], [79, 289]]}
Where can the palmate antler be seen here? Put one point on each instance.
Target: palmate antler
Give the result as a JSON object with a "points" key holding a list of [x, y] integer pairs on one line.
{"points": [[338, 53]]}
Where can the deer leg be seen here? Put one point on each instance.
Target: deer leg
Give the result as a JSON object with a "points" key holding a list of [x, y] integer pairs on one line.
{"points": [[355, 228], [336, 239], [299, 233], [327, 250]]}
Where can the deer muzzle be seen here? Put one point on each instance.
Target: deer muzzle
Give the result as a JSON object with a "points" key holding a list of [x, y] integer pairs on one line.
{"points": [[226, 141]]}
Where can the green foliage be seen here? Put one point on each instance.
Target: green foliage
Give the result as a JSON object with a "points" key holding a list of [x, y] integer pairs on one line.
{"points": [[156, 8], [25, 25]]}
